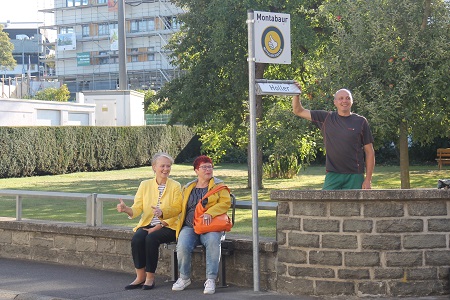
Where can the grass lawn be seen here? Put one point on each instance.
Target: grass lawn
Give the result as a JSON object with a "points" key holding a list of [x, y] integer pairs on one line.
{"points": [[126, 182]]}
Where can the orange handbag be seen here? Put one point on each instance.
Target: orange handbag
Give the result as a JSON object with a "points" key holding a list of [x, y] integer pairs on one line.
{"points": [[218, 223]]}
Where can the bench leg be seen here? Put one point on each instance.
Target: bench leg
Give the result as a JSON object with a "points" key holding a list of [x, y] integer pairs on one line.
{"points": [[174, 264], [222, 272]]}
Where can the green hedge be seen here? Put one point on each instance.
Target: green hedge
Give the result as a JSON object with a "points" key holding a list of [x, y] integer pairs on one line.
{"points": [[28, 151]]}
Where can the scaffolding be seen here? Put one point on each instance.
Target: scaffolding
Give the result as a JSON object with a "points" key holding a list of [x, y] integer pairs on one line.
{"points": [[91, 62]]}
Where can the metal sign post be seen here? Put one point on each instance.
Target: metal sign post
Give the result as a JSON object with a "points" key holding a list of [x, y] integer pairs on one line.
{"points": [[268, 42], [253, 147]]}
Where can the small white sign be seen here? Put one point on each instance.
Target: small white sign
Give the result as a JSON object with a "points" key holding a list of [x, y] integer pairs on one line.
{"points": [[286, 89], [272, 37]]}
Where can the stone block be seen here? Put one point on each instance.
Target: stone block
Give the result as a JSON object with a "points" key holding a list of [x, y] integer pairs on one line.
{"points": [[83, 244], [326, 258], [416, 288], [437, 258], [288, 223], [345, 209], [427, 208], [388, 273], [289, 256], [336, 288], [70, 258], [317, 209], [311, 272], [424, 241], [65, 242], [41, 242], [371, 289], [283, 208], [6, 237], [422, 274], [111, 262], [399, 225], [281, 238], [351, 225], [381, 242], [123, 247], [362, 259], [404, 259], [320, 225], [15, 251], [383, 209], [440, 225], [106, 246], [92, 261], [296, 286], [333, 241], [19, 238], [43, 253], [354, 274], [303, 240]]}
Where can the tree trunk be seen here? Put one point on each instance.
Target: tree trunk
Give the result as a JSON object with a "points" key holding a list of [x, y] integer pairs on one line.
{"points": [[259, 73], [404, 156]]}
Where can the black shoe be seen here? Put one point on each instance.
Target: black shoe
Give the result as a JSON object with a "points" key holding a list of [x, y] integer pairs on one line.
{"points": [[134, 286], [148, 287]]}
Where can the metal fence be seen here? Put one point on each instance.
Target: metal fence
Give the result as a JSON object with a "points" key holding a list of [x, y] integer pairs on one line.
{"points": [[95, 202]]}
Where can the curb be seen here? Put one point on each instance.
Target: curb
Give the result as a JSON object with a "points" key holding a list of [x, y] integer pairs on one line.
{"points": [[5, 294]]}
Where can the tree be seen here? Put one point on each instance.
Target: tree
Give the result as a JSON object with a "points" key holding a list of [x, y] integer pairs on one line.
{"points": [[395, 57], [6, 47], [212, 50], [61, 94]]}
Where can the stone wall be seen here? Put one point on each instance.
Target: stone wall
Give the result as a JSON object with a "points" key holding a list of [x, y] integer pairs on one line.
{"points": [[363, 243], [108, 248]]}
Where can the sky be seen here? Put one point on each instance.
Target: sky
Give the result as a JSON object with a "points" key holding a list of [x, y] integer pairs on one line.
{"points": [[23, 10]]}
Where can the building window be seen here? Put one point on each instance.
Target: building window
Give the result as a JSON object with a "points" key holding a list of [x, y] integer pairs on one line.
{"points": [[71, 3], [171, 22], [142, 25], [151, 56], [134, 58], [85, 30], [150, 24], [64, 30], [113, 25], [103, 29], [101, 1]]}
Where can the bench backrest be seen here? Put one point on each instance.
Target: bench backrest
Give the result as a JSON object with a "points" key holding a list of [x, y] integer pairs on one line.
{"points": [[443, 152]]}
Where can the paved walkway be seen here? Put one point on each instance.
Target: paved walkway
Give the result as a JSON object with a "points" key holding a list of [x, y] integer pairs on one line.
{"points": [[30, 280]]}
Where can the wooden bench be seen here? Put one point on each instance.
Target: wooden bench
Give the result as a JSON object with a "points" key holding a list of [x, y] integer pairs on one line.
{"points": [[443, 157], [227, 249]]}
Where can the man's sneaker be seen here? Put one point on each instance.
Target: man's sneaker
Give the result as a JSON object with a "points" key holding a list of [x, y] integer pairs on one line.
{"points": [[210, 286], [181, 284]]}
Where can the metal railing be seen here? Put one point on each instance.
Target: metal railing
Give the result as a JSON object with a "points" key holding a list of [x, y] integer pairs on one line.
{"points": [[94, 202]]}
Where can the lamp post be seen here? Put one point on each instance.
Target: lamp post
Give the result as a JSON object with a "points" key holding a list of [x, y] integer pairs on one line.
{"points": [[22, 37]]}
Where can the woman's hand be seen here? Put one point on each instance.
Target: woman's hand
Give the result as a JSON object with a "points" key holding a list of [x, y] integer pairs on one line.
{"points": [[207, 218], [121, 207]]}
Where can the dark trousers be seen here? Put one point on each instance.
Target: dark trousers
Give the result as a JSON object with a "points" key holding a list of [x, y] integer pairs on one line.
{"points": [[145, 247]]}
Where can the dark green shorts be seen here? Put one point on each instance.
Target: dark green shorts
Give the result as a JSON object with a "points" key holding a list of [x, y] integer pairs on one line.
{"points": [[337, 181]]}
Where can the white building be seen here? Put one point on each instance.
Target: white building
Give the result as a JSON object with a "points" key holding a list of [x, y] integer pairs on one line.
{"points": [[87, 46]]}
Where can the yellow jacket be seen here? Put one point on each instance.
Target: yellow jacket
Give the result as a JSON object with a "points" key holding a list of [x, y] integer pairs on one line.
{"points": [[218, 203], [147, 196]]}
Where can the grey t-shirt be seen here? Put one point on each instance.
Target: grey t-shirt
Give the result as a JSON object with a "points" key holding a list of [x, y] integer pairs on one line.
{"points": [[344, 139]]}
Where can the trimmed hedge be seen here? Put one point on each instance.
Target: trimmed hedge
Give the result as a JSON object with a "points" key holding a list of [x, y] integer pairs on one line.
{"points": [[29, 151]]}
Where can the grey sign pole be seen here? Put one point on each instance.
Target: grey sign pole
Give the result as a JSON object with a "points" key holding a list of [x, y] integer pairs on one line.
{"points": [[123, 80], [253, 146]]}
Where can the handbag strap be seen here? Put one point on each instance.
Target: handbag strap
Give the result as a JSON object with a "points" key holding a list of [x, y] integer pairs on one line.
{"points": [[214, 190]]}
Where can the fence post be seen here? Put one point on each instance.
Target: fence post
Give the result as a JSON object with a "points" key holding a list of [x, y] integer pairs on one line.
{"points": [[90, 210], [98, 211], [18, 208]]}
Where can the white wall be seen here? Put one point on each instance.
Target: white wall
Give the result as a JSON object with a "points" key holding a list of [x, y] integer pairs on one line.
{"points": [[18, 112]]}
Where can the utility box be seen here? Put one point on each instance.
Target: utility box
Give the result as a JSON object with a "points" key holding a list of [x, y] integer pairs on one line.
{"points": [[116, 107]]}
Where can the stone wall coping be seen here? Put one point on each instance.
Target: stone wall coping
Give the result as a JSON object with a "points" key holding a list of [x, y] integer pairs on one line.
{"points": [[240, 242], [362, 195]]}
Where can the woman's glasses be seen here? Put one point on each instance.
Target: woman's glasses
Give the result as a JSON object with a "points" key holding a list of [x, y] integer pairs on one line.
{"points": [[206, 167]]}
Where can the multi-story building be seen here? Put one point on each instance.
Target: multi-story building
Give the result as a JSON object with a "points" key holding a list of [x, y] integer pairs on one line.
{"points": [[86, 48]]}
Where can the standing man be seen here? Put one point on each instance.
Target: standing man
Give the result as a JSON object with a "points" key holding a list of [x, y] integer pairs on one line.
{"points": [[348, 142]]}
